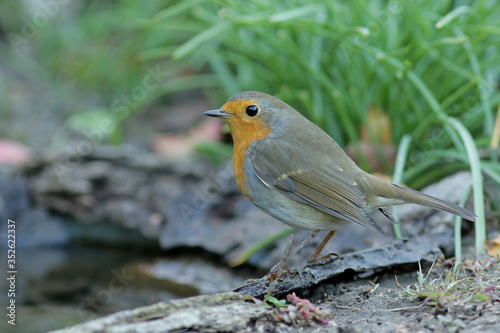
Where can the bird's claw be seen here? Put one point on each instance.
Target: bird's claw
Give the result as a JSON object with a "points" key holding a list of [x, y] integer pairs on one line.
{"points": [[315, 259]]}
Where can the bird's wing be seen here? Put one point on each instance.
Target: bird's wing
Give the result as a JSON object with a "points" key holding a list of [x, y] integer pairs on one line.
{"points": [[303, 177]]}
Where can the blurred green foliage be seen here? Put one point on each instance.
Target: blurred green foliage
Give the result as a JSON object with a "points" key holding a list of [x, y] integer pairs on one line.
{"points": [[332, 60], [86, 56], [92, 44]]}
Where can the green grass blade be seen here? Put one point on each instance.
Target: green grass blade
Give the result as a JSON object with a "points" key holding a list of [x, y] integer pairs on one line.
{"points": [[176, 9], [259, 246], [458, 229], [477, 182], [295, 13], [223, 72], [399, 167], [452, 15], [199, 39], [483, 90]]}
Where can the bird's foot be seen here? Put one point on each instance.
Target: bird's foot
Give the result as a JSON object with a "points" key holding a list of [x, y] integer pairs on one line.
{"points": [[251, 281], [277, 271], [314, 259], [274, 274]]}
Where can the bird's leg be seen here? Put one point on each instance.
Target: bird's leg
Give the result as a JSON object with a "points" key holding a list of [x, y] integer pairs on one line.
{"points": [[277, 269], [314, 258]]}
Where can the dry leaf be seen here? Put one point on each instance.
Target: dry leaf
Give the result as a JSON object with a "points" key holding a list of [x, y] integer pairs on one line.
{"points": [[379, 123], [493, 247], [368, 150]]}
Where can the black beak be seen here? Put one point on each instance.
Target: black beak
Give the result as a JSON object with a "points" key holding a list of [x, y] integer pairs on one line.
{"points": [[217, 113]]}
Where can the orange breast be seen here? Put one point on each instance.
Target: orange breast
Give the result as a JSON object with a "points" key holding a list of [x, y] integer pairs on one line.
{"points": [[244, 131]]}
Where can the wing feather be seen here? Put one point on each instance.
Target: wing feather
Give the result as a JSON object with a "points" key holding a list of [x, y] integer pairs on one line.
{"points": [[322, 185]]}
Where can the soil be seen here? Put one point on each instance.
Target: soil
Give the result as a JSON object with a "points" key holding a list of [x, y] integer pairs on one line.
{"points": [[376, 305]]}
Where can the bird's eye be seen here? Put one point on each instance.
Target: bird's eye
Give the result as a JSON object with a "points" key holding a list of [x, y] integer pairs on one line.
{"points": [[252, 110]]}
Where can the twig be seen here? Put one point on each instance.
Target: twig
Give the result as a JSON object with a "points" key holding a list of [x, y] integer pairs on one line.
{"points": [[403, 309], [347, 307]]}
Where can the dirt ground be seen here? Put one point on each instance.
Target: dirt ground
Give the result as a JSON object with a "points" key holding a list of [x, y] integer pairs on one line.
{"points": [[360, 307], [377, 304]]}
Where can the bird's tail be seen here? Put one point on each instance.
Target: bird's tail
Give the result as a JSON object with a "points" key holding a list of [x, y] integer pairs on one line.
{"points": [[419, 198]]}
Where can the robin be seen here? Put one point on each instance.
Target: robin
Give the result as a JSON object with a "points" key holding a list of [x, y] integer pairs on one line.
{"points": [[295, 172]]}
